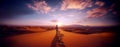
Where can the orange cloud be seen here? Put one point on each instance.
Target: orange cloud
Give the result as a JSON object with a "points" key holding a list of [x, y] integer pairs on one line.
{"points": [[40, 7], [75, 4], [97, 12], [54, 21], [99, 3]]}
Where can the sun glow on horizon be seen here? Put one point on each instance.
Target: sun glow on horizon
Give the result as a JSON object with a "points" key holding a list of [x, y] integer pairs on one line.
{"points": [[59, 23]]}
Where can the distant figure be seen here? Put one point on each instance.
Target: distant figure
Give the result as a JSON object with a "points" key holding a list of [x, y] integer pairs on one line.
{"points": [[56, 28]]}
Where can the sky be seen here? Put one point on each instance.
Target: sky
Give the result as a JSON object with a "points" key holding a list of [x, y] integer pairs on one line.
{"points": [[66, 12]]}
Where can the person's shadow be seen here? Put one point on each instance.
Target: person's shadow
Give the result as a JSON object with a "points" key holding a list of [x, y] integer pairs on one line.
{"points": [[57, 41]]}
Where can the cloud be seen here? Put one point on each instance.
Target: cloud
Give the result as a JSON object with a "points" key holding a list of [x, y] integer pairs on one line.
{"points": [[97, 12], [75, 4], [54, 21], [40, 7], [111, 7], [100, 11], [99, 3]]}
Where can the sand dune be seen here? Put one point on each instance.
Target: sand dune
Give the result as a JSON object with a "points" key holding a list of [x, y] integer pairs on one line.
{"points": [[70, 39]]}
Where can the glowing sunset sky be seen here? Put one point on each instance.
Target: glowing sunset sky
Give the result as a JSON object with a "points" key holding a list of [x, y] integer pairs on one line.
{"points": [[67, 12]]}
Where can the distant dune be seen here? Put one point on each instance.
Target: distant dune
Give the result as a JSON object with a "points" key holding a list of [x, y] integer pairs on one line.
{"points": [[17, 30]]}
